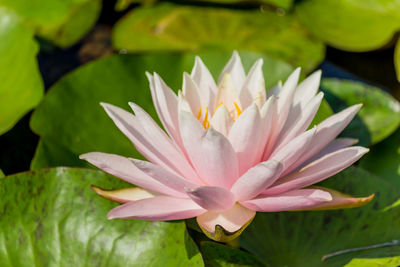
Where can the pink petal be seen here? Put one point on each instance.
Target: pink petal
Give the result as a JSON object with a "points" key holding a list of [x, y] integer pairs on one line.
{"points": [[227, 95], [231, 220], [293, 200], [318, 170], [163, 176], [245, 136], [149, 139], [166, 105], [191, 93], [326, 132], [159, 208], [235, 68], [210, 152], [212, 198], [222, 121], [253, 89], [267, 115], [124, 195], [123, 168], [333, 146], [256, 179], [341, 200], [291, 152], [205, 82], [307, 89], [298, 120]]}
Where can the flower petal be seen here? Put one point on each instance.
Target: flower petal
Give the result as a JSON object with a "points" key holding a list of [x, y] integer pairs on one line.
{"points": [[124, 195], [191, 93], [227, 225], [267, 115], [222, 121], [256, 179], [293, 200], [326, 132], [212, 198], [318, 170], [123, 168], [253, 89], [307, 89], [210, 152], [166, 105], [235, 68], [205, 82], [163, 176], [245, 136], [299, 121], [341, 200], [159, 208], [291, 152], [227, 95]]}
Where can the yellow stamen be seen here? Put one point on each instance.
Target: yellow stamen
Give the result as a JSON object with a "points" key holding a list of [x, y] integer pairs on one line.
{"points": [[199, 114], [206, 124], [238, 110]]}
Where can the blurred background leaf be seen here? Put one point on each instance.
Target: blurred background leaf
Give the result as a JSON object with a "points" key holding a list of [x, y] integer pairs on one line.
{"points": [[61, 21], [168, 27], [21, 86], [50, 217]]}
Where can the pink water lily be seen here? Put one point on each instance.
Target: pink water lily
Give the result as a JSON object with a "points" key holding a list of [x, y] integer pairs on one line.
{"points": [[229, 150]]}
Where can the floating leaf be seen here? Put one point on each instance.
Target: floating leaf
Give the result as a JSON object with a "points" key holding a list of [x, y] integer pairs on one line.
{"points": [[295, 238], [62, 21], [50, 217], [189, 28], [384, 159], [377, 119], [21, 87], [386, 262], [356, 25], [218, 255], [397, 59], [71, 121]]}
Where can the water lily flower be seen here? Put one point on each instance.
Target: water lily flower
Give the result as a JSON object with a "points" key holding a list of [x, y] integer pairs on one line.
{"points": [[229, 150]]}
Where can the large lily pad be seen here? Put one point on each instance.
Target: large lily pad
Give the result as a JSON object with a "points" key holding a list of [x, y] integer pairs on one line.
{"points": [[355, 25], [377, 119], [71, 121], [62, 21], [51, 217], [21, 87], [384, 159], [299, 238], [188, 28]]}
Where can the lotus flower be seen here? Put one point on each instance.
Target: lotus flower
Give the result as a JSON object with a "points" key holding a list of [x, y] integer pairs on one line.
{"points": [[229, 151]]}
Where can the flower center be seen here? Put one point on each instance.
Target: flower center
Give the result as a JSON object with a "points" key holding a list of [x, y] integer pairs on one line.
{"points": [[206, 121]]}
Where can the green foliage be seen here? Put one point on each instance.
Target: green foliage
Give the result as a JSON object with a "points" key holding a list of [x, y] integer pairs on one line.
{"points": [[355, 25], [21, 87], [51, 217], [160, 28], [62, 21], [299, 238], [377, 119], [72, 106], [397, 59]]}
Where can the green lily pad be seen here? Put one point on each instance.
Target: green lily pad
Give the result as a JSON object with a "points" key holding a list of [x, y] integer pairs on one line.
{"points": [[296, 238], [21, 86], [62, 21], [218, 255], [71, 121], [397, 59], [168, 27], [387, 262], [50, 217], [384, 159], [356, 25], [377, 119]]}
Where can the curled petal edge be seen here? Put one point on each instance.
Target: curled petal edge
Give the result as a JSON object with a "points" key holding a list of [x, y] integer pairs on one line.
{"points": [[124, 195], [340, 200]]}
